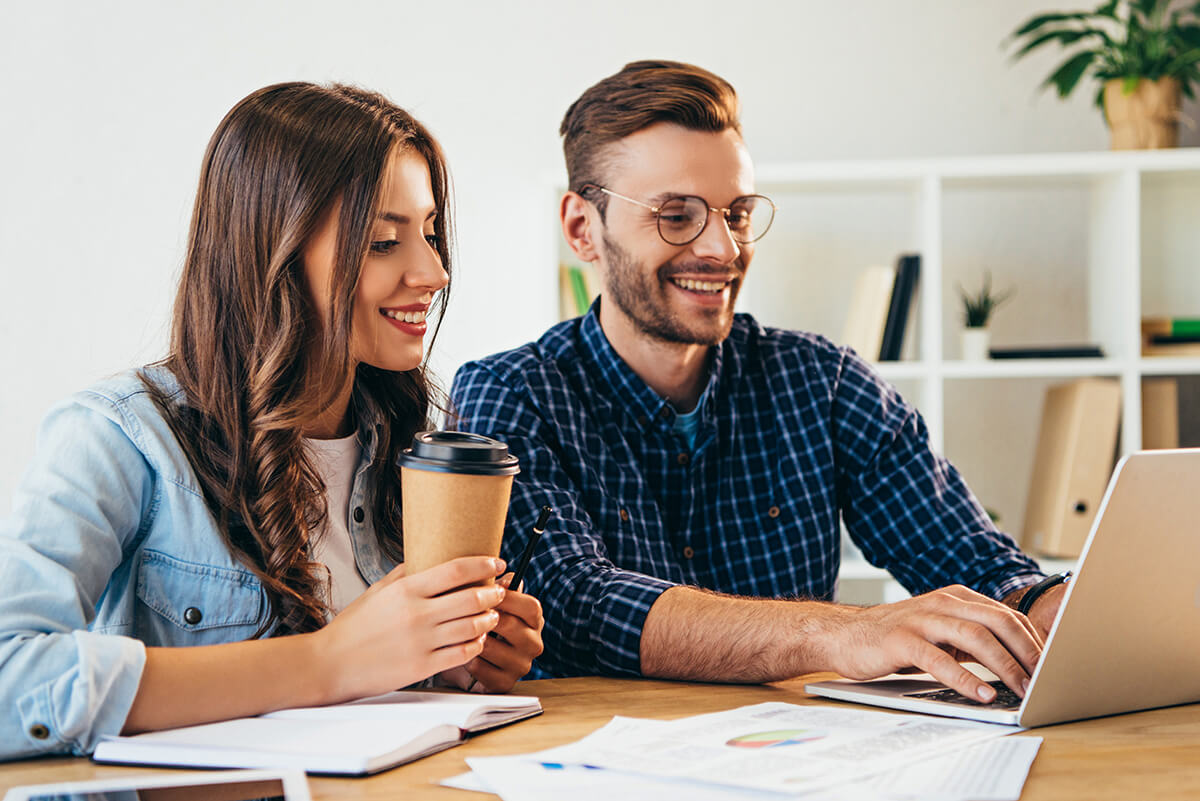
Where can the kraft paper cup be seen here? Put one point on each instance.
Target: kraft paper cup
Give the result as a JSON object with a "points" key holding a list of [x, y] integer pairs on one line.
{"points": [[455, 489]]}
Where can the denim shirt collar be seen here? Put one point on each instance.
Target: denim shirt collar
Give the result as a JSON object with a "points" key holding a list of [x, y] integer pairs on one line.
{"points": [[624, 389]]}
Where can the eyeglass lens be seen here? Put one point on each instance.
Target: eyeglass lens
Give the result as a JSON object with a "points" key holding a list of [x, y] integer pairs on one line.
{"points": [[681, 219]]}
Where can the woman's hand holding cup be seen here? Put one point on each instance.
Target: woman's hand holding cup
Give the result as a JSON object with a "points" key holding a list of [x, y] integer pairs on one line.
{"points": [[406, 628]]}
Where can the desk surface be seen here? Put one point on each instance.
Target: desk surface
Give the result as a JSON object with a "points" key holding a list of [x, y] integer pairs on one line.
{"points": [[1154, 754]]}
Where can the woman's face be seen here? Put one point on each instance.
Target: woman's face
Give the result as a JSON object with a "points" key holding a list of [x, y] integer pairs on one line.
{"points": [[400, 274]]}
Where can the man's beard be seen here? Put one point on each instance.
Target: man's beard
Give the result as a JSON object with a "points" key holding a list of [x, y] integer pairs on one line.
{"points": [[640, 294]]}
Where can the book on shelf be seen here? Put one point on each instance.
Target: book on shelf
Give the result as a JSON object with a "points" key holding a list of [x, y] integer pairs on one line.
{"points": [[868, 313], [577, 288], [1171, 326], [1160, 413], [1170, 336], [356, 738], [1048, 352], [1076, 452], [900, 304], [1171, 412]]}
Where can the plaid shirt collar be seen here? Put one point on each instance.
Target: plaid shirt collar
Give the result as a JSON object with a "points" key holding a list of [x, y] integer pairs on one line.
{"points": [[617, 383]]}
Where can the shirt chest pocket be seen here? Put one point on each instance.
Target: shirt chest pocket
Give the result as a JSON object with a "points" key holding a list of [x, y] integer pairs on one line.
{"points": [[185, 603]]}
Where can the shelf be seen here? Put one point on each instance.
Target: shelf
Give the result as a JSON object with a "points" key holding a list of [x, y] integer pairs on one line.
{"points": [[1169, 365], [1033, 368]]}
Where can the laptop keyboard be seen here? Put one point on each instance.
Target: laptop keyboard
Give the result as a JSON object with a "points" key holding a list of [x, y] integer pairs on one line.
{"points": [[1005, 698]]}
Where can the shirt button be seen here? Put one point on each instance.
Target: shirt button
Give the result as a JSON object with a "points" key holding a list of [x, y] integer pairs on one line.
{"points": [[773, 511], [359, 514], [683, 458], [38, 731], [688, 553], [665, 413], [192, 616], [625, 515]]}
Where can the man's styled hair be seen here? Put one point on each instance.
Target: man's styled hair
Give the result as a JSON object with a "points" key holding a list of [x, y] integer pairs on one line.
{"points": [[640, 95]]}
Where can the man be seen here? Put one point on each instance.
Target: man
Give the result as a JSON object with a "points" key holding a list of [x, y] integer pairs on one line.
{"points": [[699, 462]]}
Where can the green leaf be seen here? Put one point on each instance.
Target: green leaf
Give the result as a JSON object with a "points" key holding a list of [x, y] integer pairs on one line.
{"points": [[1130, 84], [1189, 34], [1069, 72], [1064, 38], [1045, 19], [1182, 61]]}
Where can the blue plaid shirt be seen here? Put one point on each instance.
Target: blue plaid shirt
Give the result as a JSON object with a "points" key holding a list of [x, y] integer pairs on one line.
{"points": [[793, 431]]}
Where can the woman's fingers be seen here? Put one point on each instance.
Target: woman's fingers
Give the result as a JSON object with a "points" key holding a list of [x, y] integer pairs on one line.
{"points": [[523, 606], [454, 574], [491, 679], [461, 603], [465, 629]]}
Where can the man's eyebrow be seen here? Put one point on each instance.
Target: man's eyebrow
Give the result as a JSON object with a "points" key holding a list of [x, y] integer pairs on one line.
{"points": [[663, 197]]}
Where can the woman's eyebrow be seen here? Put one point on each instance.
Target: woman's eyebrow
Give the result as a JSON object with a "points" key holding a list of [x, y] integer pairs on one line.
{"points": [[403, 219]]}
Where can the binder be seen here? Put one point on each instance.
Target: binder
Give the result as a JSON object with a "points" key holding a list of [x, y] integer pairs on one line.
{"points": [[1076, 450]]}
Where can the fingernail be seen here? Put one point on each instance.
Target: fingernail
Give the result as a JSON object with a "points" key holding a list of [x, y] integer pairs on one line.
{"points": [[498, 565], [1024, 685], [985, 692]]}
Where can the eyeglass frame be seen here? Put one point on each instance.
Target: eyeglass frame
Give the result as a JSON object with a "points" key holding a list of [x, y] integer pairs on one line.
{"points": [[724, 212]]}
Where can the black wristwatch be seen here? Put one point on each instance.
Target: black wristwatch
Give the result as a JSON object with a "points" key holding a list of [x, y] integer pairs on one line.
{"points": [[1033, 593]]}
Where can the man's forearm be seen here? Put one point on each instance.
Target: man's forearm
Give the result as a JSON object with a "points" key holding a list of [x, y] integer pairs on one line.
{"points": [[697, 635]]}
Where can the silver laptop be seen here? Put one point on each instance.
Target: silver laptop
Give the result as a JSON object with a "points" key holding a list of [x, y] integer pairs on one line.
{"points": [[1127, 635]]}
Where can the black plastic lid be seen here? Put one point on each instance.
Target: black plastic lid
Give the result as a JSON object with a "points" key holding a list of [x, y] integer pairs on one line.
{"points": [[459, 452]]}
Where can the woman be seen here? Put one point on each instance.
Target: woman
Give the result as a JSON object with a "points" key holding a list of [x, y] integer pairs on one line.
{"points": [[243, 496]]}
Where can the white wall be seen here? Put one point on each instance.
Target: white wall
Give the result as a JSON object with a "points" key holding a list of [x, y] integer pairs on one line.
{"points": [[107, 107]]}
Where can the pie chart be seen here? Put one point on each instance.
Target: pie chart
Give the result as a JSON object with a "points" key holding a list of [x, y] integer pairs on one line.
{"points": [[770, 739]]}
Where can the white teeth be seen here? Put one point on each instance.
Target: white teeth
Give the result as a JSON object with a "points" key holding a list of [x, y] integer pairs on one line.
{"points": [[700, 286], [406, 316]]}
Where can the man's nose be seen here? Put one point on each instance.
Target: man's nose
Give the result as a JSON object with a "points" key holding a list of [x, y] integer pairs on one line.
{"points": [[716, 242]]}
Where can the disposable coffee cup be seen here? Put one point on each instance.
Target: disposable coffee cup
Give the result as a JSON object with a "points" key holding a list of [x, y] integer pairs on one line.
{"points": [[455, 488]]}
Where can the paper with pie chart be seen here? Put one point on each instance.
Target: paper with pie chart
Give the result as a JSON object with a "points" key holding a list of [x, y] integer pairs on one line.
{"points": [[779, 747]]}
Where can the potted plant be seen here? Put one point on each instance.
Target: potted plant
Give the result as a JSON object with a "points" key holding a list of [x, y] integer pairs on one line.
{"points": [[977, 311], [1144, 53]]}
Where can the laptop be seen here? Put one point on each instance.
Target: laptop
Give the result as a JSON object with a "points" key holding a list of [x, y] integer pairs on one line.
{"points": [[1127, 636]]}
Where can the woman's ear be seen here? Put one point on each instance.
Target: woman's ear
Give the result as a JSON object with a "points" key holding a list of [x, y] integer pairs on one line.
{"points": [[578, 218]]}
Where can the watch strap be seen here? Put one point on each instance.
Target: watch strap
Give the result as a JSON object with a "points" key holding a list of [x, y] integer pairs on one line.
{"points": [[1037, 590]]}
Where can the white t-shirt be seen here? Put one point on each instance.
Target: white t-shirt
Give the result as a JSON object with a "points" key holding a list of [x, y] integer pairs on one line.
{"points": [[335, 461]]}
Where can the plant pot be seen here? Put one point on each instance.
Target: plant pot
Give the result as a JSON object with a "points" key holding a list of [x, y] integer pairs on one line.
{"points": [[975, 343], [1148, 117]]}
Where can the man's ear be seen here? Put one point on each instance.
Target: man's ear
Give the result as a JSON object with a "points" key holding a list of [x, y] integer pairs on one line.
{"points": [[578, 217]]}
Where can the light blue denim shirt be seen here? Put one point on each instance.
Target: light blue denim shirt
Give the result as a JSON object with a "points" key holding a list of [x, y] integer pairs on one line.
{"points": [[110, 548]]}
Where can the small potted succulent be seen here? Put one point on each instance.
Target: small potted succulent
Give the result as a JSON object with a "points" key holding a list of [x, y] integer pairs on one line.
{"points": [[977, 311], [1144, 53]]}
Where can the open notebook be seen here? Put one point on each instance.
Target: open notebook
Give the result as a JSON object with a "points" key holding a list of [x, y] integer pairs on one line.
{"points": [[357, 738]]}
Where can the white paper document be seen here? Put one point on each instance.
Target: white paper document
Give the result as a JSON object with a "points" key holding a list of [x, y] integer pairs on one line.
{"points": [[992, 769], [784, 748]]}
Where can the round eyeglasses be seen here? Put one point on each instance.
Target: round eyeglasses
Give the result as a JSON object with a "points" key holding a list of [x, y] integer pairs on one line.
{"points": [[681, 219]]}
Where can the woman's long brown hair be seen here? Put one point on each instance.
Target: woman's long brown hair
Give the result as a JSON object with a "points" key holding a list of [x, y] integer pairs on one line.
{"points": [[247, 348]]}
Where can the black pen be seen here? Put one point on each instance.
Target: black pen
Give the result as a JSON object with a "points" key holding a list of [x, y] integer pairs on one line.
{"points": [[523, 564]]}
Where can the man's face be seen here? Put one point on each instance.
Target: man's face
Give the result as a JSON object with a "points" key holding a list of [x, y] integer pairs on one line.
{"points": [[675, 293]]}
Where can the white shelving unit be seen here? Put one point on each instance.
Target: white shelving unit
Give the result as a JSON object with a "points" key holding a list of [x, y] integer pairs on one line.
{"points": [[1121, 189], [1092, 242]]}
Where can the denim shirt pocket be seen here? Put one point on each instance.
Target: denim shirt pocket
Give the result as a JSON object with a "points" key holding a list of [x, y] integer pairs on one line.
{"points": [[185, 603]]}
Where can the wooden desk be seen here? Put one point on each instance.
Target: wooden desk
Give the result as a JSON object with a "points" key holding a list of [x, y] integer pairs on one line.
{"points": [[1153, 754]]}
